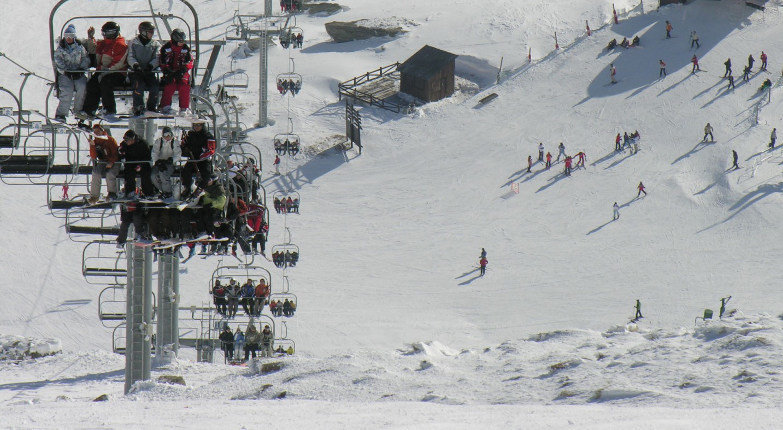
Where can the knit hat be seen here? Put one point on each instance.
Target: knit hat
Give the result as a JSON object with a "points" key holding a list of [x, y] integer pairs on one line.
{"points": [[70, 31], [167, 129], [130, 134]]}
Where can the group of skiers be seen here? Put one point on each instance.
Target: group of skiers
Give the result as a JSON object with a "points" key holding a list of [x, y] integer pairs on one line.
{"points": [[631, 141], [286, 258], [289, 85], [153, 163], [287, 146], [290, 5], [252, 297], [568, 160], [286, 204], [746, 70], [251, 341], [295, 40], [624, 43], [118, 64]]}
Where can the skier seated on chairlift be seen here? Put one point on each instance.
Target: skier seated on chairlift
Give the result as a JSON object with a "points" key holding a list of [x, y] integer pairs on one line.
{"points": [[612, 44], [299, 39], [635, 41], [219, 297], [293, 147], [766, 84], [625, 43]]}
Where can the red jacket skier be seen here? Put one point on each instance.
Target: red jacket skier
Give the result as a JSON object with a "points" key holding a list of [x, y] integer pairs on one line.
{"points": [[483, 265]]}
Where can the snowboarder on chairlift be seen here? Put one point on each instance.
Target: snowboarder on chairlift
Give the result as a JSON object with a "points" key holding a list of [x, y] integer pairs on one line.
{"points": [[561, 151], [529, 163], [615, 211], [708, 132], [540, 152], [483, 265], [695, 61], [638, 310], [640, 187], [612, 73], [728, 68], [548, 160]]}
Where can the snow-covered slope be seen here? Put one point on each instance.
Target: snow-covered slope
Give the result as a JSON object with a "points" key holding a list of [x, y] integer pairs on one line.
{"points": [[390, 238]]}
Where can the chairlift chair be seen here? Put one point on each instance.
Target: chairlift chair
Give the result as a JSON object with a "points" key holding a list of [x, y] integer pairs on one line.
{"points": [[285, 255], [287, 143], [279, 200], [289, 82], [282, 297]]}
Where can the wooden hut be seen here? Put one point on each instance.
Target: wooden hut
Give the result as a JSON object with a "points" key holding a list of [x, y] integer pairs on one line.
{"points": [[428, 74]]}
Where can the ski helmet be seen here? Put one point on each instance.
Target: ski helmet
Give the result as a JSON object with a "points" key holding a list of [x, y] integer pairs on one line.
{"points": [[146, 26], [178, 36], [110, 30]]}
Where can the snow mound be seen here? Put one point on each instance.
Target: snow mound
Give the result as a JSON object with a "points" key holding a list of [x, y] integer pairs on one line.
{"points": [[431, 349], [19, 348], [387, 23]]}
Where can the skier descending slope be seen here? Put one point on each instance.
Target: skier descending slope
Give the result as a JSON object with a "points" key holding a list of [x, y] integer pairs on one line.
{"points": [[483, 265], [615, 211]]}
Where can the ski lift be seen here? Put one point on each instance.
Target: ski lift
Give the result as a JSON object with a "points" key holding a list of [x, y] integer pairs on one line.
{"points": [[112, 304], [287, 143], [283, 343], [103, 263], [241, 273], [281, 204], [289, 82], [291, 36], [285, 254], [280, 299]]}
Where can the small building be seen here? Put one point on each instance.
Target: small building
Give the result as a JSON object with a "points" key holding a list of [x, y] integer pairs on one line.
{"points": [[428, 74]]}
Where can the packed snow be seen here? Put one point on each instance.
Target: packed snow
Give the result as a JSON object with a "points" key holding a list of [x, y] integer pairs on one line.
{"points": [[394, 327]]}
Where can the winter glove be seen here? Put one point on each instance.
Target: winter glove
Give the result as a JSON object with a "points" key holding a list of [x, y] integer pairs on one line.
{"points": [[91, 33]]}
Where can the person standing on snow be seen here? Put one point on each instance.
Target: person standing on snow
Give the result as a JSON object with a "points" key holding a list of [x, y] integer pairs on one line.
{"points": [[746, 73], [568, 165], [529, 163], [662, 71], [617, 146], [750, 61], [640, 187], [734, 155], [708, 132], [580, 159], [548, 160], [277, 165], [695, 61], [772, 138], [731, 83], [728, 68], [638, 310], [668, 30], [615, 211], [540, 152], [763, 61], [483, 265], [561, 151], [483, 253], [695, 39], [612, 73]]}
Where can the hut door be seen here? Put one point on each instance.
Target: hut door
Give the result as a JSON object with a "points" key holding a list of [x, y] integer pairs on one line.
{"points": [[443, 86]]}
